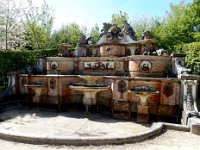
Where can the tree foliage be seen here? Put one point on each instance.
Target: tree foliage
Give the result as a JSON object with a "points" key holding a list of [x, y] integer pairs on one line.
{"points": [[38, 24], [119, 19], [69, 33], [179, 31], [11, 28], [95, 33]]}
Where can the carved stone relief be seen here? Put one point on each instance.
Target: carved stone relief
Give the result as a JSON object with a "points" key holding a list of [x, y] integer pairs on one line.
{"points": [[168, 89], [52, 83], [145, 66], [104, 65], [121, 87], [54, 65]]}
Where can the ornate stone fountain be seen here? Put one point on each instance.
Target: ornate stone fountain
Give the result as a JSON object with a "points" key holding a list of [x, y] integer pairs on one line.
{"points": [[115, 72]]}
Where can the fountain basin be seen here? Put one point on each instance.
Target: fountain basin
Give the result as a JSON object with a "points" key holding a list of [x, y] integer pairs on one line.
{"points": [[35, 84], [89, 92], [144, 95], [37, 90]]}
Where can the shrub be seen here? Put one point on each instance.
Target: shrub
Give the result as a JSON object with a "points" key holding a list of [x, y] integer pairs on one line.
{"points": [[192, 51], [14, 60]]}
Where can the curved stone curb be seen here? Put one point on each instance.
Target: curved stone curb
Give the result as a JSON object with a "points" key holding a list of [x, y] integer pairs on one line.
{"points": [[155, 129], [177, 127]]}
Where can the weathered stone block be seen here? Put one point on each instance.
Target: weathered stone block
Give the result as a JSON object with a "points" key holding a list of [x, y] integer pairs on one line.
{"points": [[195, 129]]}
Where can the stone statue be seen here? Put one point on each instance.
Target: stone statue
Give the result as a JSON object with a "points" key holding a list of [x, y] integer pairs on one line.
{"points": [[82, 40], [106, 27], [88, 40], [128, 29], [181, 69], [190, 103], [115, 30], [146, 35], [39, 67]]}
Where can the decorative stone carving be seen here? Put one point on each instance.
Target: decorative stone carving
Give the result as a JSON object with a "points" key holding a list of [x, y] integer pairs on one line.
{"points": [[145, 66], [128, 29], [121, 87], [106, 27], [189, 99], [115, 30], [54, 65], [181, 69], [109, 36], [103, 65], [82, 40], [39, 67], [178, 67], [52, 83], [168, 89], [147, 35]]}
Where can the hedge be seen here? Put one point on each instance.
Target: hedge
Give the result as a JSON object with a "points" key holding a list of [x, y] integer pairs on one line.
{"points": [[192, 51], [14, 60]]}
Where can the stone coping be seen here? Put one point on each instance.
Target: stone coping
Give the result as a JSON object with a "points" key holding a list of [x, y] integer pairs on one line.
{"points": [[110, 77], [155, 129], [136, 57]]}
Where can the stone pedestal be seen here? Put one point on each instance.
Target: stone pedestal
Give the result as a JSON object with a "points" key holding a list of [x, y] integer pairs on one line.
{"points": [[194, 124], [189, 96], [195, 129], [143, 113]]}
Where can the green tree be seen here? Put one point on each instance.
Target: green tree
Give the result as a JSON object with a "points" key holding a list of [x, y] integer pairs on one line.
{"points": [[11, 28], [194, 18], [119, 19], [176, 28], [95, 33], [69, 33], [142, 23], [39, 23]]}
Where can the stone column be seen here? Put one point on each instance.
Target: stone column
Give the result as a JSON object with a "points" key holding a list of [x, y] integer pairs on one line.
{"points": [[11, 88], [190, 95], [189, 85]]}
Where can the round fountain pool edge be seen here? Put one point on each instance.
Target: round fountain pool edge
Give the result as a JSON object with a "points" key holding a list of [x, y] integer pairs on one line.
{"points": [[155, 129]]}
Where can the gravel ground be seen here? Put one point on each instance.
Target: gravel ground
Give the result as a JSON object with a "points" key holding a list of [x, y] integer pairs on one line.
{"points": [[173, 140]]}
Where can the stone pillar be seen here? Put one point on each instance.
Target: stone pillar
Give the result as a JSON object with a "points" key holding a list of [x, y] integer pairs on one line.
{"points": [[189, 85], [11, 88]]}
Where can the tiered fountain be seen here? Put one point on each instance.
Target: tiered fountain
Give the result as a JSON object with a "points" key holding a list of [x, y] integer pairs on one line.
{"points": [[133, 78]]}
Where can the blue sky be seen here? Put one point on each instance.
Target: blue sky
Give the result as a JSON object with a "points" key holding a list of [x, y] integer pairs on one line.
{"points": [[89, 12]]}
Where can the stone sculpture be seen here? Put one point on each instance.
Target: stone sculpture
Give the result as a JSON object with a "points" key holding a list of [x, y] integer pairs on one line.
{"points": [[106, 27], [128, 29], [146, 35], [190, 103]]}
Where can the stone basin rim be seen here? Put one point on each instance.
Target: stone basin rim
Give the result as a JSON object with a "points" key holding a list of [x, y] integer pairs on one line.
{"points": [[156, 129], [143, 92], [88, 87]]}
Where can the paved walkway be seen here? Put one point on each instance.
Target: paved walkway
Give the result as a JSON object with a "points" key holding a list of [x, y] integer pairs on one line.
{"points": [[74, 124], [67, 124]]}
